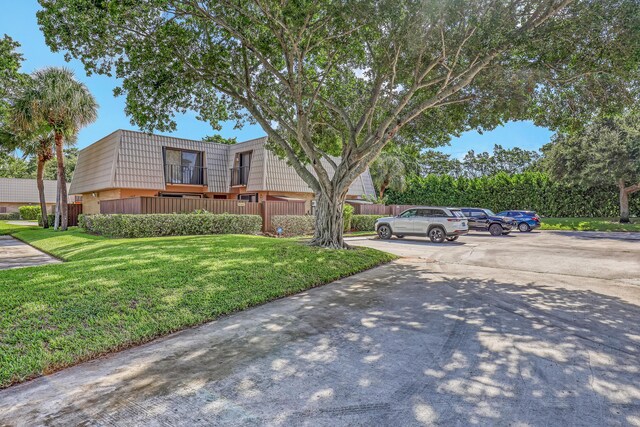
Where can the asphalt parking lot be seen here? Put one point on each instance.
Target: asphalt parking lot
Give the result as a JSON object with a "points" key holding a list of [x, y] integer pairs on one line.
{"points": [[528, 329]]}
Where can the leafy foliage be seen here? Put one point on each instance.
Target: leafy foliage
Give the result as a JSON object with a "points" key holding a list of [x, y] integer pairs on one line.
{"points": [[388, 172], [219, 139], [153, 225], [530, 190], [294, 225], [9, 216], [29, 213], [364, 222], [346, 78], [605, 152]]}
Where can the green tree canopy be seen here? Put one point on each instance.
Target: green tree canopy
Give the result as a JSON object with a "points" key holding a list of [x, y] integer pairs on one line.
{"points": [[606, 151], [344, 78]]}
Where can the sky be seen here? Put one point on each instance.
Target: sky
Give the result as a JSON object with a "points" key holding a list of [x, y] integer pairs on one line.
{"points": [[18, 20]]}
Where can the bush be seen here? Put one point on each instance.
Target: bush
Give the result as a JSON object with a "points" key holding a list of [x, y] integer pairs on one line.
{"points": [[364, 222], [50, 218], [9, 216], [347, 214], [294, 225], [29, 213], [529, 190], [154, 225]]}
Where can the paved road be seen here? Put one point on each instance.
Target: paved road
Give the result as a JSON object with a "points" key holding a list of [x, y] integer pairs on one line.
{"points": [[450, 335], [14, 254]]}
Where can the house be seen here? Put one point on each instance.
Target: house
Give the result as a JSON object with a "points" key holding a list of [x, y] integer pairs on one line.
{"points": [[16, 192], [128, 164]]}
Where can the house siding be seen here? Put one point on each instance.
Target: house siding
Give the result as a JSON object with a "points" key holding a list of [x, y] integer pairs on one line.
{"points": [[130, 160]]}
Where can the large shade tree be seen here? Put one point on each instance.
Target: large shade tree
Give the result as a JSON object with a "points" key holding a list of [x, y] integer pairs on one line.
{"points": [[605, 152], [343, 78], [55, 102]]}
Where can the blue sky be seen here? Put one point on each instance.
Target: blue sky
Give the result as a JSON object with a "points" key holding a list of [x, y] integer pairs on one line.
{"points": [[18, 20]]}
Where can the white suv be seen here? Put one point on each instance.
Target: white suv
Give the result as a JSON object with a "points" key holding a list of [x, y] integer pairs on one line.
{"points": [[439, 224]]}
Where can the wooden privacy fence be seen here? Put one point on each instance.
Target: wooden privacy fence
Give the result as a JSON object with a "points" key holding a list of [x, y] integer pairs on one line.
{"points": [[374, 209], [167, 205], [73, 211]]}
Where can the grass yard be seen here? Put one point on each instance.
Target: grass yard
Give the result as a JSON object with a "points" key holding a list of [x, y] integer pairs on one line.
{"points": [[589, 224], [116, 293]]}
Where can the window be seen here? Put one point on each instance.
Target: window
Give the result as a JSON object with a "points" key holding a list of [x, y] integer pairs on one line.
{"points": [[431, 213], [184, 167], [240, 170], [249, 197], [408, 213]]}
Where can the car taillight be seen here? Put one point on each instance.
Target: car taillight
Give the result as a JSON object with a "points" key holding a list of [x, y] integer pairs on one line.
{"points": [[454, 219], [535, 218]]}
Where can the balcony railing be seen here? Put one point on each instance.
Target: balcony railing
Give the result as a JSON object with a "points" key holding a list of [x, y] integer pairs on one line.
{"points": [[189, 175], [239, 176]]}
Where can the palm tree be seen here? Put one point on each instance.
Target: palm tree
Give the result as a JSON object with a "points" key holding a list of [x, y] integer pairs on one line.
{"points": [[56, 100], [388, 171]]}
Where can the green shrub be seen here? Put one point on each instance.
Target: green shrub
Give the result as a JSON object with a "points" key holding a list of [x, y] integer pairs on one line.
{"points": [[154, 225], [50, 218], [294, 225], [364, 222], [9, 216], [529, 190], [29, 213], [347, 214]]}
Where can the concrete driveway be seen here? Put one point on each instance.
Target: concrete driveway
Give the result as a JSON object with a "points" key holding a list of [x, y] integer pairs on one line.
{"points": [[535, 329], [15, 254]]}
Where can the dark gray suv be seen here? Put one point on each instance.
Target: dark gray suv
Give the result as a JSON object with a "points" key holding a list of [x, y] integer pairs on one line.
{"points": [[481, 219]]}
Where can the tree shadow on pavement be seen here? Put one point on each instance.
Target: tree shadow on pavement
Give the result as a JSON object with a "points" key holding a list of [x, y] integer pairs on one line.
{"points": [[396, 345]]}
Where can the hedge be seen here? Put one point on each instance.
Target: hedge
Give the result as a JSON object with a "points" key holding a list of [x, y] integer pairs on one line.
{"points": [[364, 222], [50, 219], [153, 225], [9, 216], [29, 213], [530, 190], [347, 215], [294, 225]]}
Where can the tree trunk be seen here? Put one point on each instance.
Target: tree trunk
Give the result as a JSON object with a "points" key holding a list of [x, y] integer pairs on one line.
{"points": [[40, 184], [329, 222], [624, 202], [62, 183]]}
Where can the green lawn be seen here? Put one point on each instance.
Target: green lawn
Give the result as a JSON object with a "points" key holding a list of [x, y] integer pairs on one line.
{"points": [[589, 224], [115, 293]]}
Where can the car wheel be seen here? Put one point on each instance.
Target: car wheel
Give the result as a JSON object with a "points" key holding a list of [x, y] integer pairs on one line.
{"points": [[400, 236], [524, 227], [452, 238], [495, 229], [384, 232], [436, 234]]}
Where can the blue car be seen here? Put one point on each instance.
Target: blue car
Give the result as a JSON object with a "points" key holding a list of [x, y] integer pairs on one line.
{"points": [[527, 220]]}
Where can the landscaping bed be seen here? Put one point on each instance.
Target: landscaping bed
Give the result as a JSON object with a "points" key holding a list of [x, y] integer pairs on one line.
{"points": [[116, 293], [589, 224]]}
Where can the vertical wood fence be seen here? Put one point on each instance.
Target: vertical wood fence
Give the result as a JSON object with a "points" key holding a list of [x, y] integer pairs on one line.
{"points": [[167, 205], [374, 209], [73, 211]]}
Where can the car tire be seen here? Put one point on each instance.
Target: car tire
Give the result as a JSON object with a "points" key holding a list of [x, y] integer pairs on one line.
{"points": [[437, 235], [452, 238], [495, 229], [384, 232], [400, 236], [524, 227]]}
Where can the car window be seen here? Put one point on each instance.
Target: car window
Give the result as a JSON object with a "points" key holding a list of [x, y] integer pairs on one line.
{"points": [[408, 213], [457, 213], [438, 213], [423, 212], [489, 212]]}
